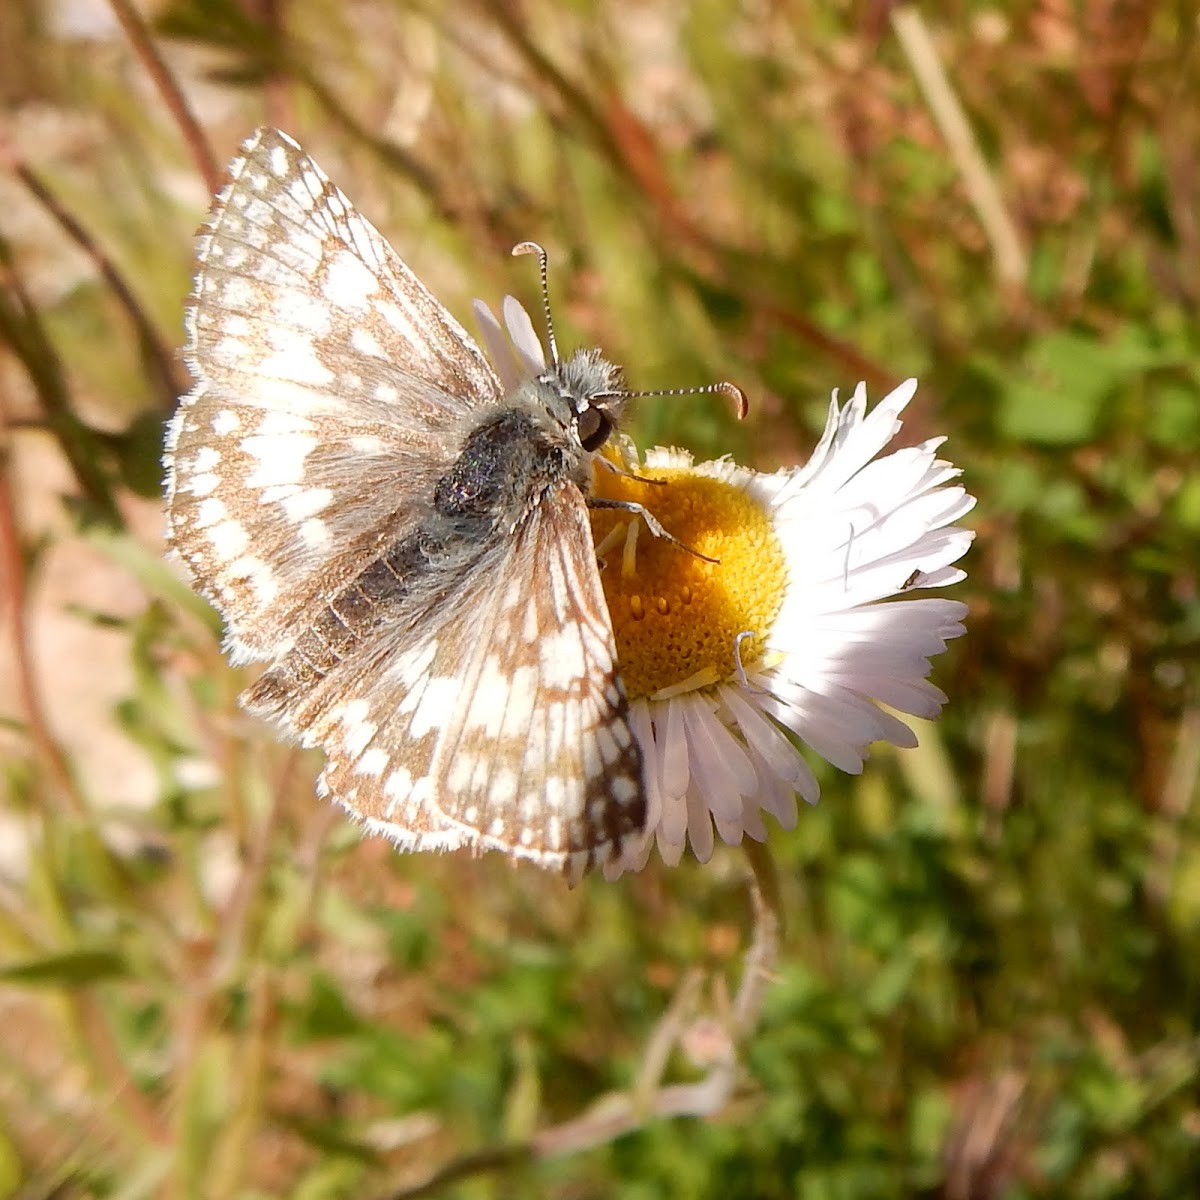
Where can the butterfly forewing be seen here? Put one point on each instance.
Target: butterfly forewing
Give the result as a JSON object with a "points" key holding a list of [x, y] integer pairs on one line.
{"points": [[321, 294], [459, 674], [304, 436]]}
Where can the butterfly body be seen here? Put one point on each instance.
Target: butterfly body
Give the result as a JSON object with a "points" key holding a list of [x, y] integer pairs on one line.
{"points": [[404, 542], [509, 461]]}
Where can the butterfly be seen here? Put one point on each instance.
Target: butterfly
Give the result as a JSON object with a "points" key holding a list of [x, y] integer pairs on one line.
{"points": [[401, 539]]}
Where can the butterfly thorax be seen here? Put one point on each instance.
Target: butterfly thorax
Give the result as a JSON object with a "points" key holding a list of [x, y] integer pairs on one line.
{"points": [[506, 465], [517, 453]]}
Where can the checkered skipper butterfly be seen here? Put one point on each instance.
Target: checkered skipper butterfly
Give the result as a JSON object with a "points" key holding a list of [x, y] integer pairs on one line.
{"points": [[405, 543]]}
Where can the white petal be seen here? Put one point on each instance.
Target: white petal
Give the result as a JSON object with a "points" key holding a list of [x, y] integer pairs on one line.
{"points": [[499, 348], [850, 440], [779, 759], [525, 341], [667, 456], [779, 800], [671, 736], [643, 729], [699, 828], [670, 851], [720, 767], [751, 823], [837, 736]]}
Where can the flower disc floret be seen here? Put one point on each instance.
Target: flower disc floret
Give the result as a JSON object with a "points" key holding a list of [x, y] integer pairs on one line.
{"points": [[677, 617]]}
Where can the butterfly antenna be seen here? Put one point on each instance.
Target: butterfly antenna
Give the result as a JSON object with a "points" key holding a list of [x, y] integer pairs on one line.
{"points": [[729, 389], [726, 388], [534, 248]]}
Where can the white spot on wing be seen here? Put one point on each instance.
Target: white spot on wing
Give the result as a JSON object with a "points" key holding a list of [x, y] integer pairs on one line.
{"points": [[306, 502], [373, 762], [209, 511], [461, 770], [293, 307], [229, 539], [623, 789], [202, 485], [348, 283], [531, 628], [358, 737], [315, 533], [278, 421], [555, 793], [397, 788], [503, 788], [257, 574], [295, 362], [562, 660], [237, 293], [436, 701], [280, 457], [365, 342]]}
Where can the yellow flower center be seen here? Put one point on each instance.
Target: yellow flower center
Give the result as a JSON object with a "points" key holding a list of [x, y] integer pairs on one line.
{"points": [[677, 618]]}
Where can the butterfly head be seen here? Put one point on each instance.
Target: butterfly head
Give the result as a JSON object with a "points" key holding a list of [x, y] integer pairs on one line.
{"points": [[584, 390], [591, 387]]}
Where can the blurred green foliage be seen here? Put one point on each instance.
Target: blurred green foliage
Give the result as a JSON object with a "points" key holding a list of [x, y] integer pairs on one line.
{"points": [[990, 977]]}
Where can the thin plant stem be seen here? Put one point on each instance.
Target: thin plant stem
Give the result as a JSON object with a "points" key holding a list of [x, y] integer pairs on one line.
{"points": [[108, 1068], [170, 91], [13, 609], [170, 382], [21, 326], [1008, 252]]}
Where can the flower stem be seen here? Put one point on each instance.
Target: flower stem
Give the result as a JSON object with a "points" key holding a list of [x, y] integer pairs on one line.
{"points": [[764, 944]]}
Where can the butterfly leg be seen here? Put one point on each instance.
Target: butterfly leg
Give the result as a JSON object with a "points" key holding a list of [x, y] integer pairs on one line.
{"points": [[652, 522], [609, 465]]}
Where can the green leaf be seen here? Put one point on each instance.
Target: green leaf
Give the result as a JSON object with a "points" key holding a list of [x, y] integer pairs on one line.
{"points": [[74, 969], [1058, 395]]}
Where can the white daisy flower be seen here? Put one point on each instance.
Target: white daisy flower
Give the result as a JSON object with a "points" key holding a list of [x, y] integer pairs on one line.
{"points": [[790, 630], [779, 623]]}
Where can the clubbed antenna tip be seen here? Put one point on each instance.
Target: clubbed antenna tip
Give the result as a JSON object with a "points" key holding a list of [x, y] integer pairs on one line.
{"points": [[534, 248], [726, 388], [737, 395]]}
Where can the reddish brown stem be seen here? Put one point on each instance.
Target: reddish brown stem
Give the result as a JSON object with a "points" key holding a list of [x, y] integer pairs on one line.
{"points": [[171, 384], [172, 94], [13, 611]]}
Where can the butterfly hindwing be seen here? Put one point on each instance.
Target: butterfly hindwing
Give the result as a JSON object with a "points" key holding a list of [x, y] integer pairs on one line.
{"points": [[506, 726]]}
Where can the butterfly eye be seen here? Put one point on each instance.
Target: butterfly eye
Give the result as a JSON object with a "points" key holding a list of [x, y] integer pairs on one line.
{"points": [[594, 428]]}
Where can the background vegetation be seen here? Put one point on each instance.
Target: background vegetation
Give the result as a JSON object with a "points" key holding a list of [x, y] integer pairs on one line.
{"points": [[988, 982]]}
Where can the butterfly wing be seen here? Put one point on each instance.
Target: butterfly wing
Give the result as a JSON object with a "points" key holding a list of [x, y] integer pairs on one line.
{"points": [[466, 694], [506, 726], [331, 392]]}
